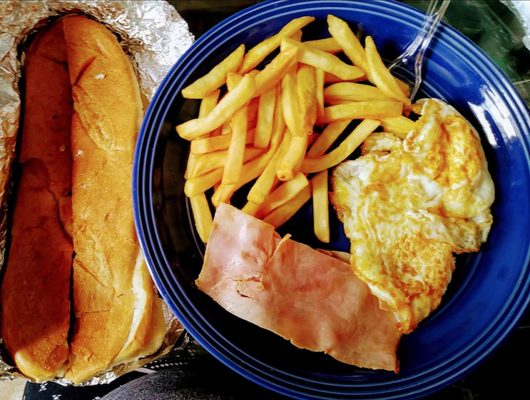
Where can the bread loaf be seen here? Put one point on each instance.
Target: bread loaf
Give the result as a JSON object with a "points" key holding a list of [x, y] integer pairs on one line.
{"points": [[36, 285], [107, 117], [117, 316]]}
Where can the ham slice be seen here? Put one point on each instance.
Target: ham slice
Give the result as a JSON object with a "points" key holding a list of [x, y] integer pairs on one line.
{"points": [[310, 298]]}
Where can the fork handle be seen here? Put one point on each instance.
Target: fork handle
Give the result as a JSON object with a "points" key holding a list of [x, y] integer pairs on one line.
{"points": [[424, 39], [417, 48]]}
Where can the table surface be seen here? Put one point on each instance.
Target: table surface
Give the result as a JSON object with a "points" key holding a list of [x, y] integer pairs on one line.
{"points": [[497, 29]]}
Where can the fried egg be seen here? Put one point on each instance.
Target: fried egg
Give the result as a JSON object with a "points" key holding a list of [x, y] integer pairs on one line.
{"points": [[408, 205]]}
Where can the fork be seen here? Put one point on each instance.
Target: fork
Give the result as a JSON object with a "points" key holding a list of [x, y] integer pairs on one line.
{"points": [[417, 48]]}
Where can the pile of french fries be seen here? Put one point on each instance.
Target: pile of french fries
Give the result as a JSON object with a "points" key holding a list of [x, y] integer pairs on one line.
{"points": [[262, 125]]}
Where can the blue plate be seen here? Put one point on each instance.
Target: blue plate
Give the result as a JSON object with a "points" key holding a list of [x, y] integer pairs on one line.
{"points": [[489, 290]]}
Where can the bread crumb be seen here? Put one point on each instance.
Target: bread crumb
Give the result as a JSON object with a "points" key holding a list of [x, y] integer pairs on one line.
{"points": [[79, 153], [62, 148], [100, 76]]}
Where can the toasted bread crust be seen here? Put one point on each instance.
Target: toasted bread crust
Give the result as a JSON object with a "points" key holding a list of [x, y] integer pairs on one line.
{"points": [[108, 112], [36, 286], [73, 217]]}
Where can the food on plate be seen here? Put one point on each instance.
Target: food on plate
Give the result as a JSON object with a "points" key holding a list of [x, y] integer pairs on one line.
{"points": [[283, 213], [73, 243], [408, 205], [343, 150], [272, 282], [329, 45], [419, 192], [267, 105], [380, 76], [222, 112], [324, 61], [258, 53], [375, 109], [320, 206], [216, 77], [283, 193], [284, 108], [344, 92], [348, 41]]}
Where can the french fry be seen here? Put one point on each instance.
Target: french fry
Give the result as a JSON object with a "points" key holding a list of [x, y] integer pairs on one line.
{"points": [[190, 166], [201, 184], [264, 126], [258, 53], [349, 91], [405, 88], [221, 113], [330, 78], [283, 193], [343, 151], [266, 181], [399, 126], [236, 149], [279, 143], [252, 112], [274, 71], [319, 186], [321, 59], [209, 102], [329, 45], [319, 79], [207, 105], [251, 171], [217, 193], [278, 124], [223, 193], [216, 132], [297, 36], [254, 168], [290, 106], [312, 138], [283, 213], [363, 109], [380, 75], [232, 80], [202, 216], [306, 90], [347, 40], [251, 208], [242, 120], [290, 163], [328, 136], [218, 159], [417, 108], [217, 143], [216, 78], [226, 129]]}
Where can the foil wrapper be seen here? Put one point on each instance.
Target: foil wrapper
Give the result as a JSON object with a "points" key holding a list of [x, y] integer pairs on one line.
{"points": [[152, 34]]}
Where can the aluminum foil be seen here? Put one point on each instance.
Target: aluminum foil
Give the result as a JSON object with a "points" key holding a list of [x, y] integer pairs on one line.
{"points": [[153, 35]]}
